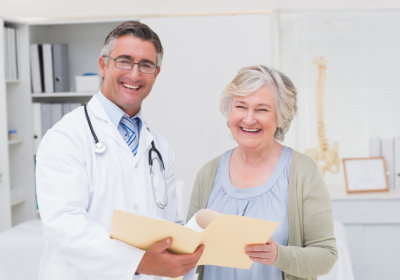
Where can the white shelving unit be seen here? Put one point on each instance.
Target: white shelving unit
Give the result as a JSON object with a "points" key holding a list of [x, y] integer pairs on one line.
{"points": [[84, 41], [17, 189], [62, 97]]}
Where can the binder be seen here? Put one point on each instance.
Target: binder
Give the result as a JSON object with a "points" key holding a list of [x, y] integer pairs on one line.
{"points": [[375, 147], [50, 113], [388, 154], [48, 68], [68, 107], [61, 68], [36, 73], [45, 117], [397, 163], [10, 54]]}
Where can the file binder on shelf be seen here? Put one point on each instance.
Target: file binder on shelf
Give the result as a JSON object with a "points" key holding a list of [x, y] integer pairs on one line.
{"points": [[10, 54], [35, 51], [397, 163], [375, 147], [61, 68], [48, 68], [388, 154]]}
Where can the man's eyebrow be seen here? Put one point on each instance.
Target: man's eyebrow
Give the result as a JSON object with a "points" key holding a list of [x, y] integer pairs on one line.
{"points": [[148, 61], [131, 59], [124, 56]]}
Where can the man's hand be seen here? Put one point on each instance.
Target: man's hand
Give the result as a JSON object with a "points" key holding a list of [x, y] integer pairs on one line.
{"points": [[159, 261]]}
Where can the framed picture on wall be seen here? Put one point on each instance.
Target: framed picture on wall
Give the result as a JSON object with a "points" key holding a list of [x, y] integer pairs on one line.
{"points": [[365, 174]]}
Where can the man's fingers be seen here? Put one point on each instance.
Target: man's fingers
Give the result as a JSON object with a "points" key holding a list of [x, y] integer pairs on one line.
{"points": [[199, 251], [191, 259]]}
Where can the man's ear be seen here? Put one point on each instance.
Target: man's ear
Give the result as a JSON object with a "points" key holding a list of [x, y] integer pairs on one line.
{"points": [[102, 65], [158, 71]]}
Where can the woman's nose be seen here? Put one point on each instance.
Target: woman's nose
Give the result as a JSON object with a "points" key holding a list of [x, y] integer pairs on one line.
{"points": [[249, 118]]}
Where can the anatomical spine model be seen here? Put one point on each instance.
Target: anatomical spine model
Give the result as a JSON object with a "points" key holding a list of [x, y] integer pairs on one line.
{"points": [[325, 156]]}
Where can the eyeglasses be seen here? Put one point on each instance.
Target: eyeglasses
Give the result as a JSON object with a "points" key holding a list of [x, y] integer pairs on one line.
{"points": [[127, 64]]}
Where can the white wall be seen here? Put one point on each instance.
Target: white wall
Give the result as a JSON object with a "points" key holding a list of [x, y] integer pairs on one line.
{"points": [[202, 55], [78, 9], [362, 97]]}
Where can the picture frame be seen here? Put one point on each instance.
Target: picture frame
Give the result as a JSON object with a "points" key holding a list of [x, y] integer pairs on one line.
{"points": [[367, 174]]}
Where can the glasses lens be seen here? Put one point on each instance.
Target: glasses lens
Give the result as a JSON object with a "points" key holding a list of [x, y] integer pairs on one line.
{"points": [[147, 67], [123, 63]]}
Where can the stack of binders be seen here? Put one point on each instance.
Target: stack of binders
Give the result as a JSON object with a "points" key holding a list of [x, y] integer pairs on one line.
{"points": [[49, 68], [389, 148]]}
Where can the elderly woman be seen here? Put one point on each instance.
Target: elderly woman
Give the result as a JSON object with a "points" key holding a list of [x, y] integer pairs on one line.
{"points": [[261, 178]]}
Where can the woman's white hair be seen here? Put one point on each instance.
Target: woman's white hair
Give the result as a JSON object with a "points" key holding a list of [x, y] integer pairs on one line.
{"points": [[250, 79]]}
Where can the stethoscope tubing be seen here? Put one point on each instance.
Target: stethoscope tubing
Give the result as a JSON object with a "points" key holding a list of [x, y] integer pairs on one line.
{"points": [[101, 148]]}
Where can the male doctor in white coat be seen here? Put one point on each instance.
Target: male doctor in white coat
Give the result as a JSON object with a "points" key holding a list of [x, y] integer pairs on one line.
{"points": [[78, 186]]}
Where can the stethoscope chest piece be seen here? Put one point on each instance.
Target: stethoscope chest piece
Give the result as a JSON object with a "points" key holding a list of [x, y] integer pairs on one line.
{"points": [[100, 148]]}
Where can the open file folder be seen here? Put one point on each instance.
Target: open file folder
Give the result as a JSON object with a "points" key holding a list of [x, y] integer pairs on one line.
{"points": [[224, 236]]}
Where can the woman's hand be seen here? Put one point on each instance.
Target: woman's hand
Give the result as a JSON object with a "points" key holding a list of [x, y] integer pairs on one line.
{"points": [[265, 254]]}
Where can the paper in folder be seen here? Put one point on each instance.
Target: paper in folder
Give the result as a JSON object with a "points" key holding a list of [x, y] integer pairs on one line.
{"points": [[224, 236]]}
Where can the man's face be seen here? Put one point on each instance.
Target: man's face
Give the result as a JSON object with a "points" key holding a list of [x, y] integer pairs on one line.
{"points": [[128, 88]]}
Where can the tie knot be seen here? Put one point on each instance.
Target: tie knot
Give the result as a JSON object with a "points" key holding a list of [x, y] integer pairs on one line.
{"points": [[127, 120]]}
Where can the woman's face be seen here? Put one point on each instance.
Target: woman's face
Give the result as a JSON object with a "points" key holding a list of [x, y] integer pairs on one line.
{"points": [[253, 119]]}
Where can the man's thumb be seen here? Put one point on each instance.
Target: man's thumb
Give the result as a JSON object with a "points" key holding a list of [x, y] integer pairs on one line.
{"points": [[163, 244]]}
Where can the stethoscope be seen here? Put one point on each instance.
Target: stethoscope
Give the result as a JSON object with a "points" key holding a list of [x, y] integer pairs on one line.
{"points": [[100, 148]]}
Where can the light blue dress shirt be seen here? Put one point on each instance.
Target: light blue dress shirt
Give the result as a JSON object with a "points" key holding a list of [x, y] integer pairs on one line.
{"points": [[268, 201], [115, 114]]}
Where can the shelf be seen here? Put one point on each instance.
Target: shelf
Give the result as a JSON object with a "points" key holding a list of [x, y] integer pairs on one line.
{"points": [[62, 97], [12, 81], [16, 198], [15, 141], [17, 201], [63, 94], [338, 193]]}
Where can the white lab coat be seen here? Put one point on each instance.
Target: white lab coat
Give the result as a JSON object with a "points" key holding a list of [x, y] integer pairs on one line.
{"points": [[78, 190]]}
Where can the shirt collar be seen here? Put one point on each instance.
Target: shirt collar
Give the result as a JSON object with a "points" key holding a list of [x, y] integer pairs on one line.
{"points": [[114, 112]]}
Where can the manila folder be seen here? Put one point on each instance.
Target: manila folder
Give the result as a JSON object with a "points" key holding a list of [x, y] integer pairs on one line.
{"points": [[225, 237]]}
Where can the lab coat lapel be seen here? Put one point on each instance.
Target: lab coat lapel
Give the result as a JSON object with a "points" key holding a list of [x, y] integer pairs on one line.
{"points": [[144, 142], [105, 129], [103, 126]]}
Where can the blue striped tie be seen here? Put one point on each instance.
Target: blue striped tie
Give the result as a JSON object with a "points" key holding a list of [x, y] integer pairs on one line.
{"points": [[131, 136]]}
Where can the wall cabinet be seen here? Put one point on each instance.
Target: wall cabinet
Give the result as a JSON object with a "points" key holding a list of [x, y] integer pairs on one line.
{"points": [[372, 223], [17, 189]]}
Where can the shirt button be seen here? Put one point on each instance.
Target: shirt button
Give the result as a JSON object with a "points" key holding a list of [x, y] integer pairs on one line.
{"points": [[136, 207]]}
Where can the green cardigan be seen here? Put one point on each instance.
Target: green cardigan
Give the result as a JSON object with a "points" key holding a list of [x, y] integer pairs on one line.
{"points": [[312, 245]]}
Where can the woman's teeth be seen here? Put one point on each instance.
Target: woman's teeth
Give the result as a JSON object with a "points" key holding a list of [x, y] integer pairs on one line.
{"points": [[250, 129]]}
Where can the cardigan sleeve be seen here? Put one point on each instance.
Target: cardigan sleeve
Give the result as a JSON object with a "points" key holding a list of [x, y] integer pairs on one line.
{"points": [[312, 245], [202, 187]]}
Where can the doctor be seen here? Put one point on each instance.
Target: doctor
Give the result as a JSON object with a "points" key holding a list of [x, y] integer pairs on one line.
{"points": [[80, 183]]}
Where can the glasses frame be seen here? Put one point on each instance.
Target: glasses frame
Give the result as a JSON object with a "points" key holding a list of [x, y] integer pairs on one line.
{"points": [[133, 65]]}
